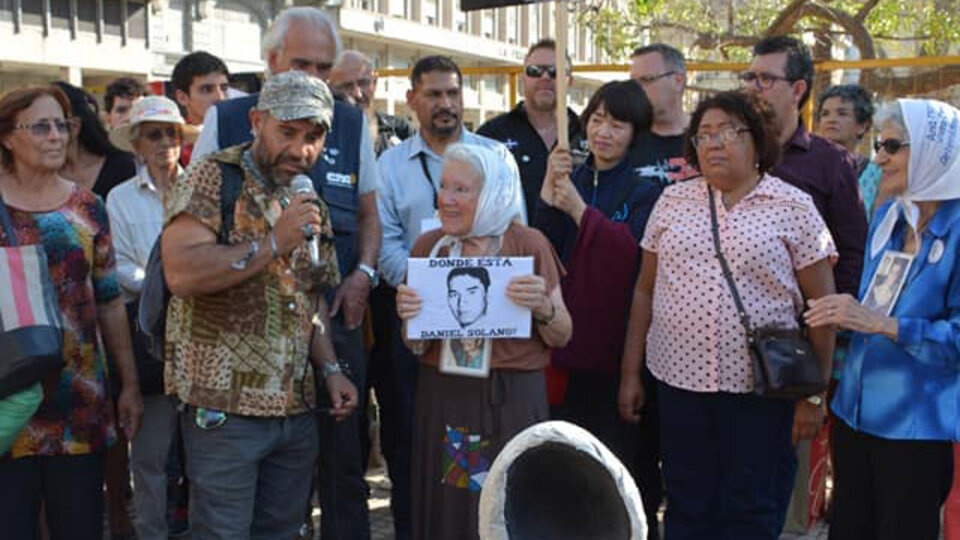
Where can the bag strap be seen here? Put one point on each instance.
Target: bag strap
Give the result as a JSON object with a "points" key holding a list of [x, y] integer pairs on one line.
{"points": [[230, 186], [715, 228], [7, 224]]}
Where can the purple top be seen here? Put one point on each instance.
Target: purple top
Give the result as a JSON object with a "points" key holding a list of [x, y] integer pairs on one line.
{"points": [[826, 172]]}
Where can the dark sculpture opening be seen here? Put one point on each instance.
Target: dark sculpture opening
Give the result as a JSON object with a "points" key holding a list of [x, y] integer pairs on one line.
{"points": [[556, 492]]}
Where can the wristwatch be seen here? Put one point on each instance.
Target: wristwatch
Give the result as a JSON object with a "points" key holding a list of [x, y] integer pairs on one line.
{"points": [[329, 368], [816, 400], [371, 273]]}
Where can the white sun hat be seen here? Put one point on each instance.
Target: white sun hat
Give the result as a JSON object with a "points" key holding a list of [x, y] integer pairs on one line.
{"points": [[149, 109]]}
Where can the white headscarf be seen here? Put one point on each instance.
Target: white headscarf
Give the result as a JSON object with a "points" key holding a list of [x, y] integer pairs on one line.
{"points": [[934, 170], [501, 197]]}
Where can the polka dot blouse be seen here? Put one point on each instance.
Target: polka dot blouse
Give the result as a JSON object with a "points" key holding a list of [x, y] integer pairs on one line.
{"points": [[696, 341]]}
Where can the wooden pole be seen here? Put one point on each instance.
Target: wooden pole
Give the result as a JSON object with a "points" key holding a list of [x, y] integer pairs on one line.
{"points": [[563, 139]]}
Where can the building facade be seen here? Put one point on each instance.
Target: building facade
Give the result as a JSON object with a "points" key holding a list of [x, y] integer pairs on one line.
{"points": [[90, 42]]}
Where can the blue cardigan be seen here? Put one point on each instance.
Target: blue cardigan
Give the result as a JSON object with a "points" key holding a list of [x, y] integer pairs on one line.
{"points": [[910, 389]]}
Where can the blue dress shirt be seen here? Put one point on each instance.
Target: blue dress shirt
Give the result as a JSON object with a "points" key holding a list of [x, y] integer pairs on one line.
{"points": [[910, 388]]}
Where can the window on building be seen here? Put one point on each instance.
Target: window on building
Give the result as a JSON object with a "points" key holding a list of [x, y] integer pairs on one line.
{"points": [[60, 14], [513, 25], [431, 12], [136, 19], [397, 8], [6, 10], [461, 21], [32, 12], [112, 18], [488, 23]]}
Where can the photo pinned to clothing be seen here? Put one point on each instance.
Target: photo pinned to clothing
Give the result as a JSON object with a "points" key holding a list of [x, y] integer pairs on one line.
{"points": [[467, 356], [888, 281], [465, 298]]}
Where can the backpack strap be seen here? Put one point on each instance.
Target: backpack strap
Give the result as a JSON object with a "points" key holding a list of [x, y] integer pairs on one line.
{"points": [[230, 186]]}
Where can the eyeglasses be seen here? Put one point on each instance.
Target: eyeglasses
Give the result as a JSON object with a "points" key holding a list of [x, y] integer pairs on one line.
{"points": [[763, 80], [157, 134], [537, 71], [890, 146], [723, 136], [647, 79], [43, 127]]}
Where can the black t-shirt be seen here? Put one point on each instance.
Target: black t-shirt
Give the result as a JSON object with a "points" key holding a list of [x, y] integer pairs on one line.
{"points": [[661, 157], [514, 130], [118, 167]]}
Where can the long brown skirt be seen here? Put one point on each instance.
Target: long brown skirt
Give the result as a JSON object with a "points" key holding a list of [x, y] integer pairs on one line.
{"points": [[461, 424]]}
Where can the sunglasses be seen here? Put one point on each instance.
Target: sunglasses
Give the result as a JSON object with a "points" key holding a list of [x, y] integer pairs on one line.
{"points": [[890, 146], [537, 71], [157, 134], [43, 127], [647, 79]]}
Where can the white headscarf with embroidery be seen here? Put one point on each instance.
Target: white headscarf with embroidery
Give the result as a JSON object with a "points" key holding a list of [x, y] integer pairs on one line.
{"points": [[934, 170], [501, 197]]}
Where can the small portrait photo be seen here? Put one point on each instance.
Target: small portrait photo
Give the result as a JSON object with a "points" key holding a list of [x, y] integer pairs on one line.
{"points": [[466, 356], [468, 292], [887, 282]]}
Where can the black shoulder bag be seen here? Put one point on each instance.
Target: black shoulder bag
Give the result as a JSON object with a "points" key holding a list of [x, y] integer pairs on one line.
{"points": [[784, 366]]}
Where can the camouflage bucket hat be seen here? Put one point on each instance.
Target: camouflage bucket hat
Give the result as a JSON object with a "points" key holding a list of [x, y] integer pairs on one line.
{"points": [[294, 95]]}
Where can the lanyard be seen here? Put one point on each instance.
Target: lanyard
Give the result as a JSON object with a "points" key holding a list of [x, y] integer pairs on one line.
{"points": [[426, 173]]}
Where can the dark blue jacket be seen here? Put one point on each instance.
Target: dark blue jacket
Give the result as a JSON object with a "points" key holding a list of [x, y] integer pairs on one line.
{"points": [[335, 175], [621, 195]]}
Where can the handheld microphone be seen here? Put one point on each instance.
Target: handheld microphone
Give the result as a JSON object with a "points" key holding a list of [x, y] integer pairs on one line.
{"points": [[302, 183]]}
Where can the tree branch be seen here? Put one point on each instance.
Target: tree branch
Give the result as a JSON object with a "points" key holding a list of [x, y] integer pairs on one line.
{"points": [[865, 10]]}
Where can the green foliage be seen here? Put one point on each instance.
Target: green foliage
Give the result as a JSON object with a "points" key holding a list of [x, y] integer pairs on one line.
{"points": [[722, 29]]}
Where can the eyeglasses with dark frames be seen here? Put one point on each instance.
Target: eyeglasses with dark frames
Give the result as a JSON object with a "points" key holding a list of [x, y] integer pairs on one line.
{"points": [[761, 79], [890, 146]]}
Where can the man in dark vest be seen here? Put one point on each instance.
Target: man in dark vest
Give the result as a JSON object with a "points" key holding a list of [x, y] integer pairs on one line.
{"points": [[346, 178]]}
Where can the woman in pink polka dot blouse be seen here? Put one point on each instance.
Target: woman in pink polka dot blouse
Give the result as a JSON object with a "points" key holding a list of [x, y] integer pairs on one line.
{"points": [[727, 454]]}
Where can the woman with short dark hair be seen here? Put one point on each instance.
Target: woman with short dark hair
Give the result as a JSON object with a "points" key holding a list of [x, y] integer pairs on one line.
{"points": [[844, 116], [727, 453], [58, 459]]}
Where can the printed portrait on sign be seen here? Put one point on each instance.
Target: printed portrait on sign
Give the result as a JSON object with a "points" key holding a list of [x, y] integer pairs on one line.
{"points": [[467, 290]]}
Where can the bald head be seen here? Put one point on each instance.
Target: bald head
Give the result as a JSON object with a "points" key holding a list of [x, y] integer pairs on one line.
{"points": [[353, 78]]}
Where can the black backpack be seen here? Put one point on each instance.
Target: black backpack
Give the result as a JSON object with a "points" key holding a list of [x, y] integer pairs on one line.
{"points": [[155, 295]]}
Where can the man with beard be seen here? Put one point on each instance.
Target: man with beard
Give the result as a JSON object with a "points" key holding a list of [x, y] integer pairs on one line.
{"points": [[354, 79], [305, 39], [240, 330], [410, 181], [530, 130]]}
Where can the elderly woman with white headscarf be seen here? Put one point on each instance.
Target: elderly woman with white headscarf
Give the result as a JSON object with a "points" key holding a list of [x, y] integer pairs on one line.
{"points": [[462, 422], [899, 394]]}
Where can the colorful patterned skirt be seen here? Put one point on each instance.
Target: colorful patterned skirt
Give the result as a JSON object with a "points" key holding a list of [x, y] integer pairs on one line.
{"points": [[460, 425]]}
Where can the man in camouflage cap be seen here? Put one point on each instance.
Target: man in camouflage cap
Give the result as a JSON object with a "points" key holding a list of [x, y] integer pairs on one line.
{"points": [[249, 313]]}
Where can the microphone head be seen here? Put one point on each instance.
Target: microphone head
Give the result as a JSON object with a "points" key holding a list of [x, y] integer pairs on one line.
{"points": [[302, 183]]}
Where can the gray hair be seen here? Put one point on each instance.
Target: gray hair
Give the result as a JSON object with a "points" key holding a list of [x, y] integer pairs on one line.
{"points": [[891, 113], [316, 17], [463, 153], [672, 57], [361, 58]]}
